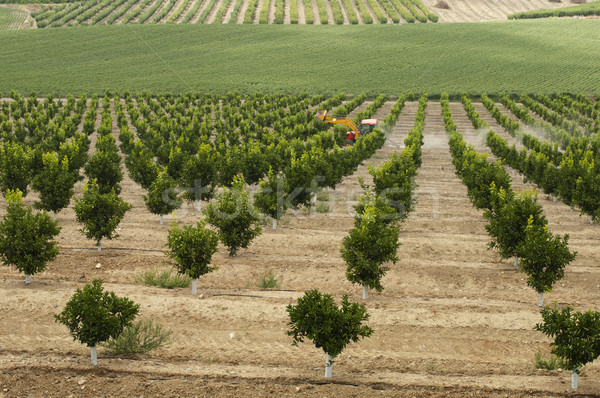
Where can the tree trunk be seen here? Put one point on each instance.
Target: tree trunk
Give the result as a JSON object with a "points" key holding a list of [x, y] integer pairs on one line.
{"points": [[194, 286], [314, 198], [94, 356], [54, 216], [541, 303], [365, 292], [161, 219], [574, 380], [99, 246], [516, 261], [571, 208], [591, 220], [274, 223], [554, 198], [328, 365], [27, 279]]}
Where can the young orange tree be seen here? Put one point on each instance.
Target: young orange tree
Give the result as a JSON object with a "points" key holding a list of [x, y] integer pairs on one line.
{"points": [[93, 315], [318, 318]]}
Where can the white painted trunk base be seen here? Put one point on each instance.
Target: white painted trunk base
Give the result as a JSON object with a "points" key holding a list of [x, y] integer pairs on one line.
{"points": [[194, 286], [516, 261], [274, 223], [365, 292], [591, 220], [328, 366], [541, 303], [554, 198], [574, 380], [99, 247], [27, 279], [161, 219], [94, 356]]}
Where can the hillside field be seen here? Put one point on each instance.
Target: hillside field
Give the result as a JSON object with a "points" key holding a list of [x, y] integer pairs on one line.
{"points": [[292, 12], [544, 56]]}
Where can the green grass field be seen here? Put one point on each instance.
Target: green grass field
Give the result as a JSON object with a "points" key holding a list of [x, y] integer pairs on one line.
{"points": [[11, 19], [592, 8], [528, 56]]}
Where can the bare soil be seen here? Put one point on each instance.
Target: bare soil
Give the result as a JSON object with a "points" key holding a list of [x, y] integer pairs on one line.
{"points": [[486, 10], [454, 319]]}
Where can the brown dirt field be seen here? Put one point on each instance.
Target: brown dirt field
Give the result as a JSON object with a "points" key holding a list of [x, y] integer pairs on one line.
{"points": [[453, 321], [487, 10]]}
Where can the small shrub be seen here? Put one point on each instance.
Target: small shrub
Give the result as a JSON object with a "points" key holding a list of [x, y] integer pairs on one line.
{"points": [[322, 208], [548, 362], [268, 281], [323, 196], [138, 338], [163, 278]]}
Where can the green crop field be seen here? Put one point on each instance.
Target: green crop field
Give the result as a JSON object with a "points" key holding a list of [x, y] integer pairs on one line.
{"points": [[11, 19], [544, 56], [111, 12], [592, 8]]}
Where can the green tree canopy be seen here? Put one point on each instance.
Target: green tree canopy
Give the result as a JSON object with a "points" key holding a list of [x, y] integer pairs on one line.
{"points": [[16, 161], [576, 335], [509, 218], [94, 316], [54, 183], [105, 166], [27, 238], [234, 216], [372, 242], [162, 195], [191, 249], [317, 318], [543, 256], [99, 213]]}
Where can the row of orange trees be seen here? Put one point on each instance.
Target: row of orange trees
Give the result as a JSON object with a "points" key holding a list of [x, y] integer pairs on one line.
{"points": [[516, 222], [574, 175], [518, 228], [374, 239]]}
